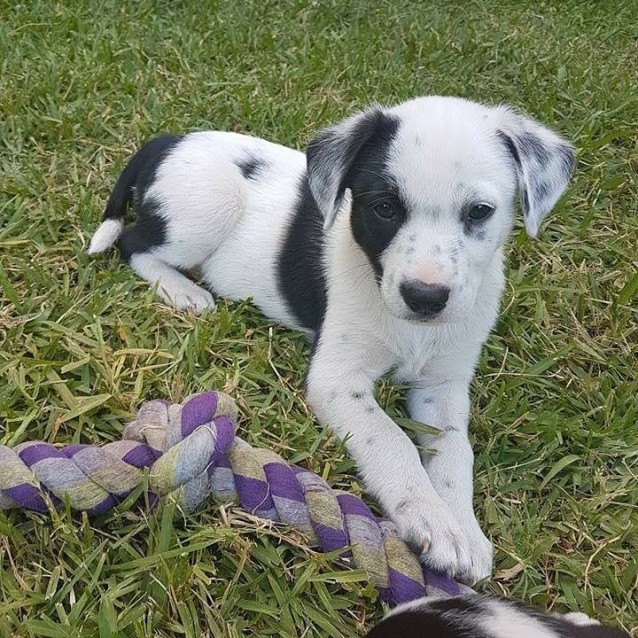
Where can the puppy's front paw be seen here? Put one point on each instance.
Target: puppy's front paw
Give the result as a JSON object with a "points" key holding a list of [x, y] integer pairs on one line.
{"points": [[481, 551], [445, 546], [187, 298]]}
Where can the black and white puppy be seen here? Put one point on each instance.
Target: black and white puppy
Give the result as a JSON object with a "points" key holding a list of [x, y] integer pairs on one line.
{"points": [[385, 241], [482, 617]]}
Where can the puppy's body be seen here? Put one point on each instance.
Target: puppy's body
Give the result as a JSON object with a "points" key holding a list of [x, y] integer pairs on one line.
{"points": [[476, 616], [386, 243]]}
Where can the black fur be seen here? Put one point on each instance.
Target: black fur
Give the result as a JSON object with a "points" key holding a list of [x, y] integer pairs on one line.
{"points": [[371, 184], [447, 618], [528, 147], [149, 229], [250, 167], [470, 617], [300, 264], [335, 148], [512, 150]]}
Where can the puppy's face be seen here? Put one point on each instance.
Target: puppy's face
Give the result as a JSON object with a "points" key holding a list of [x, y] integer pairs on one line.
{"points": [[433, 183]]}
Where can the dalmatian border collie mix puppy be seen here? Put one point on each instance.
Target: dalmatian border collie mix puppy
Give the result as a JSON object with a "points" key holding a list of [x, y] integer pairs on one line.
{"points": [[385, 242], [475, 616]]}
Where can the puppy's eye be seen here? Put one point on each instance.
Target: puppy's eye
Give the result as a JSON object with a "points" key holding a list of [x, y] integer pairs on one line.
{"points": [[479, 212], [384, 211]]}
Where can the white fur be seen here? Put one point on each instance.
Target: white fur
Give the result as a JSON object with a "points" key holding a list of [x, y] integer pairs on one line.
{"points": [[445, 152], [105, 236]]}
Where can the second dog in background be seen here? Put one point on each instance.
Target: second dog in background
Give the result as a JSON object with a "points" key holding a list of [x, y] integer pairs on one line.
{"points": [[385, 242]]}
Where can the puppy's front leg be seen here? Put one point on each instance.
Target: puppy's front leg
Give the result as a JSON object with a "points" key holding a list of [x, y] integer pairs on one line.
{"points": [[342, 398], [449, 459]]}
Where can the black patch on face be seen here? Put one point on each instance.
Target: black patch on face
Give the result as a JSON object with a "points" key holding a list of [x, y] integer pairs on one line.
{"points": [[250, 167], [300, 264], [140, 173], [371, 184]]}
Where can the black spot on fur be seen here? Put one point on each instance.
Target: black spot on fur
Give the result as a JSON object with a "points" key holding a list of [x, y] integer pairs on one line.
{"points": [[403, 505], [357, 396], [371, 184], [529, 149], [250, 167], [140, 173], [531, 145], [300, 264]]}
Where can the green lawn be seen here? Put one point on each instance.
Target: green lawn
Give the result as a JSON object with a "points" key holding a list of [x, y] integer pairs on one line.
{"points": [[83, 342]]}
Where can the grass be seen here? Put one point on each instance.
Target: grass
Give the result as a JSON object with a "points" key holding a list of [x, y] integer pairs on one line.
{"points": [[83, 342]]}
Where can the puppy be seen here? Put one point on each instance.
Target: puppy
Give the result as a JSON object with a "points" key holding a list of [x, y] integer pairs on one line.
{"points": [[482, 617], [385, 243]]}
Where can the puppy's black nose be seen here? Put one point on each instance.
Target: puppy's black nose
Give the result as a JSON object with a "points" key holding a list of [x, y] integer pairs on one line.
{"points": [[424, 299]]}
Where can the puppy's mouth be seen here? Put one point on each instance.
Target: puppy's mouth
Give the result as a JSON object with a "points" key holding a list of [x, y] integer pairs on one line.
{"points": [[435, 319], [427, 319]]}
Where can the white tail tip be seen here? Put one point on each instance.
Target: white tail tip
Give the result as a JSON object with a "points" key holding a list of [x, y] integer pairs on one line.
{"points": [[105, 236]]}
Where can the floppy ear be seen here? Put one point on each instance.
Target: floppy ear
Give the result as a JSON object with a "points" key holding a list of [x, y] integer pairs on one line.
{"points": [[543, 162], [331, 154]]}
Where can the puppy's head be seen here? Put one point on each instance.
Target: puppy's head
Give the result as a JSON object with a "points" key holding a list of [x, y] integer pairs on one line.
{"points": [[433, 184]]}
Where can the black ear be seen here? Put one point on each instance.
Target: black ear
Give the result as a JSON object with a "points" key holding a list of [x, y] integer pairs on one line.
{"points": [[543, 161], [331, 154]]}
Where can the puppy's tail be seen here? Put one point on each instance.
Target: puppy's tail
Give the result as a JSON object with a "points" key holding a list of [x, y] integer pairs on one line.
{"points": [[137, 174], [112, 225]]}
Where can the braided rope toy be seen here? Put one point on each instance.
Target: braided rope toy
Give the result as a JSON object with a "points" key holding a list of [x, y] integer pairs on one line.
{"points": [[191, 452]]}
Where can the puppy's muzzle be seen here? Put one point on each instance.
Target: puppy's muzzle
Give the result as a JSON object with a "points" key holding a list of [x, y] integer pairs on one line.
{"points": [[424, 300]]}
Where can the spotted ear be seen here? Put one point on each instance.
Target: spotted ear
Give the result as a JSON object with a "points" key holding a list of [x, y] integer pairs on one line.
{"points": [[331, 155], [543, 161]]}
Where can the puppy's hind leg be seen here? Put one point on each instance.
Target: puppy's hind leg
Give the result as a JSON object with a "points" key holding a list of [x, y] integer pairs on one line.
{"points": [[172, 287]]}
